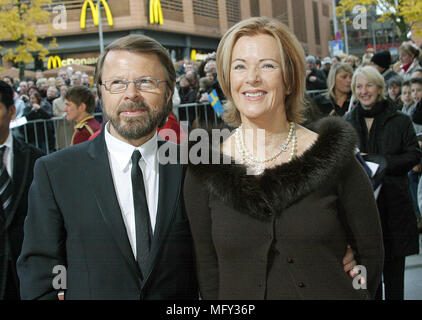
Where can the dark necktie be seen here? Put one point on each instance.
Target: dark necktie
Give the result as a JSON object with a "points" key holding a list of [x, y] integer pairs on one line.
{"points": [[142, 220], [6, 188]]}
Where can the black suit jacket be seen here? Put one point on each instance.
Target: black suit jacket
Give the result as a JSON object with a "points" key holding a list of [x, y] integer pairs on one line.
{"points": [[74, 220], [11, 226]]}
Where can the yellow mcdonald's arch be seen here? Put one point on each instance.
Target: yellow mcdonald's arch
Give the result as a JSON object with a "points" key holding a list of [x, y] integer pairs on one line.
{"points": [[193, 55], [54, 62], [155, 12], [95, 13]]}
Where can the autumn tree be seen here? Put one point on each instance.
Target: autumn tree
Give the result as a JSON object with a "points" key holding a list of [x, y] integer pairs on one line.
{"points": [[18, 22], [404, 14]]}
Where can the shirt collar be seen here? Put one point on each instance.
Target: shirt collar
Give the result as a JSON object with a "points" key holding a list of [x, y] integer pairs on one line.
{"points": [[9, 142], [122, 151]]}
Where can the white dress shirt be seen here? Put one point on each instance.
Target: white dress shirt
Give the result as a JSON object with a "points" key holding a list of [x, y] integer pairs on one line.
{"points": [[8, 154], [120, 154]]}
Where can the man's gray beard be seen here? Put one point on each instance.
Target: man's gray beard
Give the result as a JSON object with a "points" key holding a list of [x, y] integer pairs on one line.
{"points": [[134, 129]]}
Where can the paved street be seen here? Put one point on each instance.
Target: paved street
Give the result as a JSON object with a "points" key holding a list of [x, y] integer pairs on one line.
{"points": [[413, 276]]}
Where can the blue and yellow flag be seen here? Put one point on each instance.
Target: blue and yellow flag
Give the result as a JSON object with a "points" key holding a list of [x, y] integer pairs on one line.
{"points": [[215, 102]]}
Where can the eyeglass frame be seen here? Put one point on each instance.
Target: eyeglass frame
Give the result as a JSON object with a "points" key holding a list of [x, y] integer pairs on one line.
{"points": [[158, 81]]}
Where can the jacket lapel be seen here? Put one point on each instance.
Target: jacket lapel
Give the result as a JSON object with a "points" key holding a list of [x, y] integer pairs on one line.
{"points": [[170, 181], [106, 198], [21, 160]]}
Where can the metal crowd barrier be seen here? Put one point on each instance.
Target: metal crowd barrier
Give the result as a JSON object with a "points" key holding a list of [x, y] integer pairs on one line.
{"points": [[196, 114]]}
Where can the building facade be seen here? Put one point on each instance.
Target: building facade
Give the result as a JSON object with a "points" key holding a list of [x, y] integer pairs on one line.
{"points": [[186, 24]]}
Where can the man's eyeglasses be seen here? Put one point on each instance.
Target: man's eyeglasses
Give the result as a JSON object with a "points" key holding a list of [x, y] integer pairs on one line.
{"points": [[142, 84]]}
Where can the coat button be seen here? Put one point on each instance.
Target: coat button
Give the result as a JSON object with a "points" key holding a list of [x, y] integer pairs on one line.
{"points": [[301, 285], [289, 260]]}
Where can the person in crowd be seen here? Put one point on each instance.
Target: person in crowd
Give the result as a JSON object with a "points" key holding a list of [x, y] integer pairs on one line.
{"points": [[205, 87], [393, 85], [40, 134], [192, 76], [352, 61], [64, 127], [42, 86], [76, 79], [408, 55], [85, 79], [381, 60], [326, 65], [80, 105], [38, 75], [182, 68], [118, 236], [8, 80], [211, 75], [335, 59], [64, 75], [271, 226], [366, 59], [98, 111], [416, 89], [387, 137], [406, 98], [17, 163], [336, 101], [186, 93], [59, 82], [52, 82], [315, 78], [52, 94], [23, 91]]}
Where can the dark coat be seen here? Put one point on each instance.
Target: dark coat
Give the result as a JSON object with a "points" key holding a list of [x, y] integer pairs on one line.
{"points": [[397, 146], [11, 227], [329, 107], [320, 83], [283, 235], [74, 219]]}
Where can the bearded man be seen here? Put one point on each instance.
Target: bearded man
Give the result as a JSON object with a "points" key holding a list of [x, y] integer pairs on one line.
{"points": [[107, 214]]}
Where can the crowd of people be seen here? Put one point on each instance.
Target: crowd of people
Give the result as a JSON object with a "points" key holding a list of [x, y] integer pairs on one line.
{"points": [[42, 98], [348, 170]]}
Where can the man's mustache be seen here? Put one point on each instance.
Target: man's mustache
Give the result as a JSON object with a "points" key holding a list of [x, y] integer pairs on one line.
{"points": [[133, 106]]}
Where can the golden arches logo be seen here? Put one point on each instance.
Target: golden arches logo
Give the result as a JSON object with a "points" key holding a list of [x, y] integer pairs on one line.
{"points": [[95, 13], [155, 12], [54, 62]]}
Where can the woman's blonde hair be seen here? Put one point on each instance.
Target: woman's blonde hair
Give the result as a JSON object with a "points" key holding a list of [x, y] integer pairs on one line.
{"points": [[371, 75], [292, 65], [331, 79], [410, 48]]}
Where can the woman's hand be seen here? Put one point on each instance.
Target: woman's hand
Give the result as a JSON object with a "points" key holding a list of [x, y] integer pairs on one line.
{"points": [[349, 262], [35, 107]]}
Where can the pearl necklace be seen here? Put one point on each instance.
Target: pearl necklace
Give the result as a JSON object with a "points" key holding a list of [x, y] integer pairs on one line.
{"points": [[258, 164]]}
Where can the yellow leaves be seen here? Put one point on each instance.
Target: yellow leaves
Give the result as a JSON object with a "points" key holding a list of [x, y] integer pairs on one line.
{"points": [[18, 22], [403, 13]]}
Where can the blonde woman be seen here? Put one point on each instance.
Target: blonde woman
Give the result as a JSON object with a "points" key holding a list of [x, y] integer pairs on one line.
{"points": [[408, 55], [337, 99], [281, 232], [387, 137]]}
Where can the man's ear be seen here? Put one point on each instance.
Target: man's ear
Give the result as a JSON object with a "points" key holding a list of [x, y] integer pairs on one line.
{"points": [[82, 106], [12, 111]]}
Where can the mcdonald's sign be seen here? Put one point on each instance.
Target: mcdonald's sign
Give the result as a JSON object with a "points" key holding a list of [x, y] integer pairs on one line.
{"points": [[155, 12], [54, 62], [95, 9]]}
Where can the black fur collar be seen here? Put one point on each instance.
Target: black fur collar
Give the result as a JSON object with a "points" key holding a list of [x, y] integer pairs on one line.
{"points": [[279, 187]]}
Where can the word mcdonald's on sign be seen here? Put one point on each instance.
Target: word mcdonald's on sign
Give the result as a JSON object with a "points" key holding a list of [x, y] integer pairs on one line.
{"points": [[155, 12], [95, 9]]}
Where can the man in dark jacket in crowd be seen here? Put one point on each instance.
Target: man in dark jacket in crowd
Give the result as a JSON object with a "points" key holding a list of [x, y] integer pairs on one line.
{"points": [[315, 78], [382, 62], [16, 166]]}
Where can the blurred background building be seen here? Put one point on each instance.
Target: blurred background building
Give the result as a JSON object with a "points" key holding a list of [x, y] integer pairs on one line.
{"points": [[187, 25]]}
